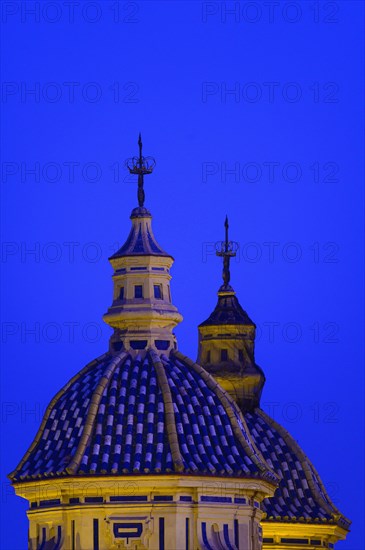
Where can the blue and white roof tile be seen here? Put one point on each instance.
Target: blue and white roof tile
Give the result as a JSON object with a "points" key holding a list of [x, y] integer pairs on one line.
{"points": [[301, 495], [129, 432], [111, 419], [141, 240]]}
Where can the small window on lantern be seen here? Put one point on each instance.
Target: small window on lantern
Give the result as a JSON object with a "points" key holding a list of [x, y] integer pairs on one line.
{"points": [[138, 291], [240, 355], [157, 289], [224, 355], [208, 356], [121, 293]]}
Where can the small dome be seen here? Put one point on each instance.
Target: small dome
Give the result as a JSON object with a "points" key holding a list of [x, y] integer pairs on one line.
{"points": [[141, 240], [228, 311]]}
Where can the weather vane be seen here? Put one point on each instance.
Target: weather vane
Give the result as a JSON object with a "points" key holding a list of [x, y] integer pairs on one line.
{"points": [[226, 249], [141, 166]]}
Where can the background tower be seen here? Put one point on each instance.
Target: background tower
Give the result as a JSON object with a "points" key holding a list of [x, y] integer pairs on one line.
{"points": [[227, 340], [301, 513]]}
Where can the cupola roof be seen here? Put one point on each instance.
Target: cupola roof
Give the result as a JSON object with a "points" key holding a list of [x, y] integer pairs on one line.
{"points": [[141, 240], [228, 311]]}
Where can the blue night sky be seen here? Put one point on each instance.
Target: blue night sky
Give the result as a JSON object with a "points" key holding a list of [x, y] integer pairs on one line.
{"points": [[256, 114]]}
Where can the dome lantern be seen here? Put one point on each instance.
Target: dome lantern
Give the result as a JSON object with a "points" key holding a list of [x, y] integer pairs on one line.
{"points": [[142, 313]]}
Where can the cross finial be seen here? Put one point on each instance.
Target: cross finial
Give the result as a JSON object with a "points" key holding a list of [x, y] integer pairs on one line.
{"points": [[227, 249], [226, 225], [140, 148], [140, 166]]}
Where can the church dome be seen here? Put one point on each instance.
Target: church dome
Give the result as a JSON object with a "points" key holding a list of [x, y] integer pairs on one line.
{"points": [[178, 429], [151, 414]]}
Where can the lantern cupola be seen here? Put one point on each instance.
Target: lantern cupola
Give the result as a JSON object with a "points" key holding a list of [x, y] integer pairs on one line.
{"points": [[142, 313]]}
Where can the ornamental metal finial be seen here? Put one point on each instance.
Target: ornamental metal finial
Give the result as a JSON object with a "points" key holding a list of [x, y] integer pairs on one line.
{"points": [[226, 249], [141, 166]]}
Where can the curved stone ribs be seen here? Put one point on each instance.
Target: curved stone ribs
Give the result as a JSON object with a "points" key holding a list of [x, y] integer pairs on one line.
{"points": [[324, 501], [49, 409], [92, 412], [234, 414], [169, 411]]}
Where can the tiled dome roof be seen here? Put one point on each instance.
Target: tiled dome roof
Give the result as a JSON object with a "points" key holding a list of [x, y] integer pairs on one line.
{"points": [[158, 414], [132, 415], [301, 495]]}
